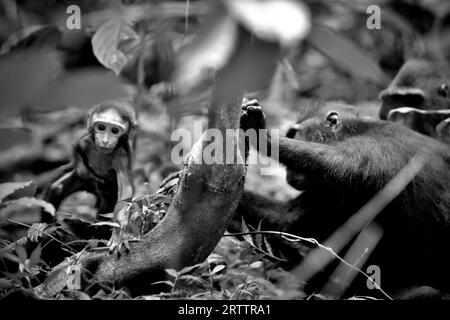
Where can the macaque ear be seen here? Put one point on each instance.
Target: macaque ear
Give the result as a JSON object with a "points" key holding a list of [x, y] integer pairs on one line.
{"points": [[89, 119], [332, 119], [134, 127]]}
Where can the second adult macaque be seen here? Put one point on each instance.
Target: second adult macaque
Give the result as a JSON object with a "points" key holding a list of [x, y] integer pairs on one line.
{"points": [[102, 163], [419, 98]]}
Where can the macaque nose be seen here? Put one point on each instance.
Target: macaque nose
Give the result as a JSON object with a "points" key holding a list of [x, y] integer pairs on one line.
{"points": [[105, 142], [292, 130], [397, 100]]}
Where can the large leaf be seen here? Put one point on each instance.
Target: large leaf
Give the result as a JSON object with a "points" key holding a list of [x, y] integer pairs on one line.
{"points": [[173, 273], [283, 21], [35, 256], [15, 190], [25, 78], [14, 137], [108, 42], [55, 282], [83, 88], [27, 202], [345, 54]]}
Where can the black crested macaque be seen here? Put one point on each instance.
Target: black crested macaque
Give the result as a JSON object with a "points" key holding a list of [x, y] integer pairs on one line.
{"points": [[340, 161], [418, 97], [102, 164]]}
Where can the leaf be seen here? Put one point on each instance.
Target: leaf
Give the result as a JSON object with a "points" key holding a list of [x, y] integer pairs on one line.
{"points": [[245, 292], [108, 215], [15, 190], [263, 283], [35, 256], [192, 279], [106, 223], [108, 40], [55, 282], [268, 246], [247, 237], [121, 206], [218, 269], [74, 294], [283, 21], [30, 202], [258, 237], [83, 88], [32, 70], [256, 265], [169, 283], [215, 258], [21, 253], [73, 281], [345, 54], [11, 257], [5, 284], [189, 269], [15, 137], [172, 273]]}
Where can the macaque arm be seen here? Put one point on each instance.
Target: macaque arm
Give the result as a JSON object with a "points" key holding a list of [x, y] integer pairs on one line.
{"points": [[255, 208], [66, 184], [81, 161], [331, 163], [125, 189], [322, 162], [124, 175]]}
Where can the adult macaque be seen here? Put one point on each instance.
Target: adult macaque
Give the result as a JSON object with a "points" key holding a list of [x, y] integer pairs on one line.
{"points": [[418, 97], [340, 161], [102, 164]]}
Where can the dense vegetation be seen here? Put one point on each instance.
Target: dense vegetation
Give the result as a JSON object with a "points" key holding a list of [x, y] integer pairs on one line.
{"points": [[165, 55]]}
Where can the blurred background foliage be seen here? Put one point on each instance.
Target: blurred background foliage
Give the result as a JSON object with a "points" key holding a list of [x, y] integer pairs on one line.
{"points": [[164, 56]]}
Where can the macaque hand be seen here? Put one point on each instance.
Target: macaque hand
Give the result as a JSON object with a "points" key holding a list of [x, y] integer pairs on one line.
{"points": [[83, 172], [121, 235], [165, 90], [252, 115], [170, 184]]}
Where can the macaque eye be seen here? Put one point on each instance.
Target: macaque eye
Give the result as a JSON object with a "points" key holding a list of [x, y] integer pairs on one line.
{"points": [[115, 130], [443, 90], [332, 119], [101, 127]]}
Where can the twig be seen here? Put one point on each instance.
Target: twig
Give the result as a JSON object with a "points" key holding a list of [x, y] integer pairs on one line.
{"points": [[315, 242], [10, 247]]}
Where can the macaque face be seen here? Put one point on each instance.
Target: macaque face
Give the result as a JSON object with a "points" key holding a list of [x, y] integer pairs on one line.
{"points": [[108, 128], [419, 85]]}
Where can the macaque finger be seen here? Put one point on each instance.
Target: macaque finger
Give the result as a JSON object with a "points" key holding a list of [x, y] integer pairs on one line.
{"points": [[248, 103], [171, 176], [168, 187]]}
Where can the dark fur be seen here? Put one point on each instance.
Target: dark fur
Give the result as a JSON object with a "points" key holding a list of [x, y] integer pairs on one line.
{"points": [[339, 172], [417, 74], [79, 174]]}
